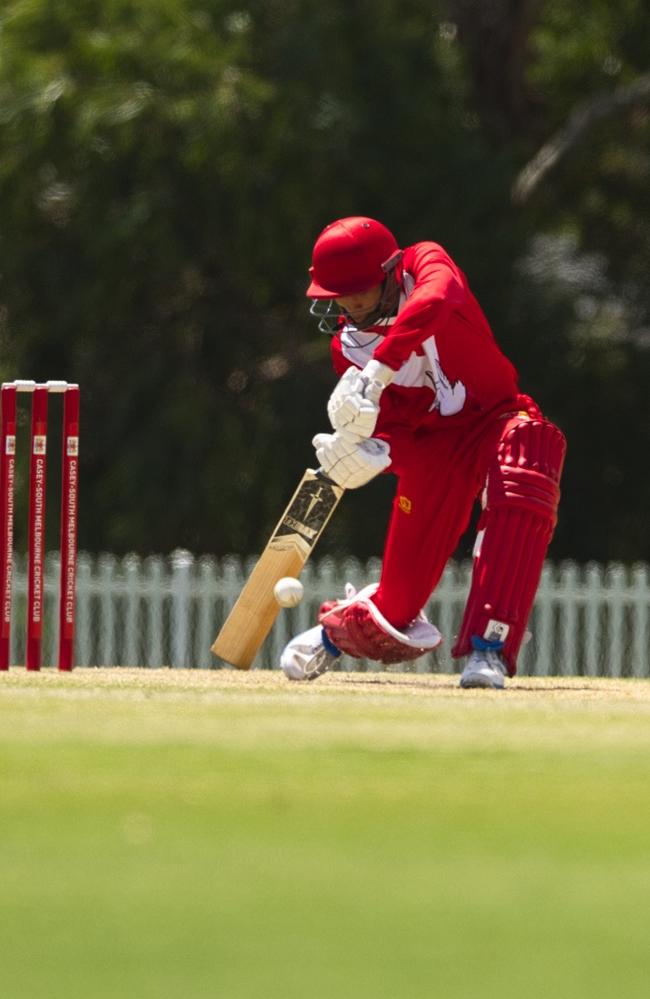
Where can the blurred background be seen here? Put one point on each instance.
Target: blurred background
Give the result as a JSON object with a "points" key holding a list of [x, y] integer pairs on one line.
{"points": [[165, 166]]}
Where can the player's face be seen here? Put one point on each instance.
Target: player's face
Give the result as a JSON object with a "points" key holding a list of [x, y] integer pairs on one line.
{"points": [[362, 304]]}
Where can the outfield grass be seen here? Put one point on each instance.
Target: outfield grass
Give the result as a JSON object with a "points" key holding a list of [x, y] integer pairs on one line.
{"points": [[214, 834]]}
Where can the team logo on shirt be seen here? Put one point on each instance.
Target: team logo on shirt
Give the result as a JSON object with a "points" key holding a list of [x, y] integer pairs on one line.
{"points": [[450, 396], [404, 504]]}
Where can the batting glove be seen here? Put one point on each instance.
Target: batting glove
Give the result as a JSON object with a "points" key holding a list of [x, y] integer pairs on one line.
{"points": [[353, 406], [351, 461]]}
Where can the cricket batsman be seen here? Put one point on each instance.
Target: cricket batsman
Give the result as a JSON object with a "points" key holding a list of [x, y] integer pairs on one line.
{"points": [[425, 393]]}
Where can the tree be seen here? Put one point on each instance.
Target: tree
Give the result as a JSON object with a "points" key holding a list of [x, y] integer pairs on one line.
{"points": [[165, 168], [566, 87]]}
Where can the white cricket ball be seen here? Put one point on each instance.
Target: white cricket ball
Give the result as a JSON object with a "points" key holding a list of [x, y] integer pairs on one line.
{"points": [[288, 591]]}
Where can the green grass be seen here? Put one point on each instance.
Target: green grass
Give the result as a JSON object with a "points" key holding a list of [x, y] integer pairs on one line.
{"points": [[214, 834]]}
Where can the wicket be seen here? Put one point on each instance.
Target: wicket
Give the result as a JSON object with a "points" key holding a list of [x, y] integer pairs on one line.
{"points": [[36, 523]]}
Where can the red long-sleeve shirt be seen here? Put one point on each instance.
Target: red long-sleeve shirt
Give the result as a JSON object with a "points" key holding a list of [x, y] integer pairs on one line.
{"points": [[449, 367]]}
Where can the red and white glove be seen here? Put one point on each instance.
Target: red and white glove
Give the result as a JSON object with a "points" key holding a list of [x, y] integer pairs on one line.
{"points": [[353, 406], [357, 627], [351, 461]]}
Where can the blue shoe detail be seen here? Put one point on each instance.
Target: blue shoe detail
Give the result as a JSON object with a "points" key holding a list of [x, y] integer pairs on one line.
{"points": [[329, 645], [485, 645]]}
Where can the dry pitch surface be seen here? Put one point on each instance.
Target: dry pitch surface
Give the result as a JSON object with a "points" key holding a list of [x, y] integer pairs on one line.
{"points": [[235, 683], [381, 710]]}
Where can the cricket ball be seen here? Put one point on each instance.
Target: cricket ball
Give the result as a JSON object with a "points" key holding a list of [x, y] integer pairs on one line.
{"points": [[288, 591]]}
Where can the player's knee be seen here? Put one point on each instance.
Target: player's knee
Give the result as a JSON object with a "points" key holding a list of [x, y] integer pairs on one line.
{"points": [[537, 445], [528, 469]]}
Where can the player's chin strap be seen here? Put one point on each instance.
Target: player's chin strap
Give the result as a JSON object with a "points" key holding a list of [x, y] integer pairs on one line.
{"points": [[328, 312]]}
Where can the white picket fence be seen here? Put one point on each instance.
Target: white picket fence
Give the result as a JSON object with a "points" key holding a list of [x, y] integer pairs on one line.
{"points": [[590, 620]]}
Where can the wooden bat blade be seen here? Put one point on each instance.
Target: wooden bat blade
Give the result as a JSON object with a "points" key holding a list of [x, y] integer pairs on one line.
{"points": [[289, 547]]}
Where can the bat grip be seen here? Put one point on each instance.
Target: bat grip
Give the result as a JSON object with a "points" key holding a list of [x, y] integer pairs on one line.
{"points": [[321, 475]]}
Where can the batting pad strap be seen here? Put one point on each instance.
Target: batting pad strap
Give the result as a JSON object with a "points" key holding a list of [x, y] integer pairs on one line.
{"points": [[329, 645], [420, 634], [485, 645], [528, 489]]}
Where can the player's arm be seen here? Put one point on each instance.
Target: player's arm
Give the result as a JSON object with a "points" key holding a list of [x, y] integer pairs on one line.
{"points": [[354, 405], [439, 290]]}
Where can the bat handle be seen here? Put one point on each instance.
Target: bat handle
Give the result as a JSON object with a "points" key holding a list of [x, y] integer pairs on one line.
{"points": [[321, 475]]}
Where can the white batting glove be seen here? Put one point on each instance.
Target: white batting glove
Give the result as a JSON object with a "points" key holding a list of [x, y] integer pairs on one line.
{"points": [[351, 461], [353, 406]]}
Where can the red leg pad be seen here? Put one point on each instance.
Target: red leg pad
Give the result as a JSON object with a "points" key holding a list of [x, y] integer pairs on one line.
{"points": [[522, 497], [359, 628], [354, 631]]}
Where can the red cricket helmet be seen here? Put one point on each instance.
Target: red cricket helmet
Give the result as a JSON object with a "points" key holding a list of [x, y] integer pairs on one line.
{"points": [[351, 255]]}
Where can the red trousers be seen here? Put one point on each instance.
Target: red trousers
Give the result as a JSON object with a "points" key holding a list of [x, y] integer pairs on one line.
{"points": [[440, 476]]}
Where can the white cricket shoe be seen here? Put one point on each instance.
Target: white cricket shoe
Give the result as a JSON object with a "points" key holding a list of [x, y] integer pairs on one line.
{"points": [[306, 657], [484, 669]]}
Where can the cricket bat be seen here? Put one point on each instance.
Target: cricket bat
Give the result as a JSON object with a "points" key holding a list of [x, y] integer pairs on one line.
{"points": [[291, 544]]}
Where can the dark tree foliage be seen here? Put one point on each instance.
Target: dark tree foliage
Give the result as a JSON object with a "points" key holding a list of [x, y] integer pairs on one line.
{"points": [[165, 166]]}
